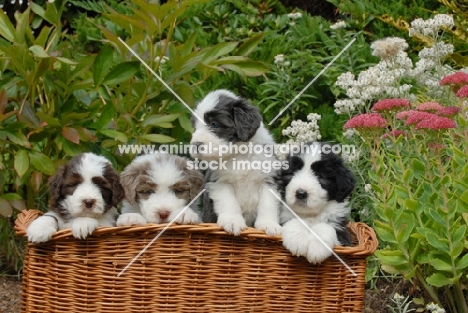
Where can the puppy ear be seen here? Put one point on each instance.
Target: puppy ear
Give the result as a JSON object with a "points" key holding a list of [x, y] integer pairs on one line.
{"points": [[196, 182], [247, 119], [117, 190], [129, 180], [345, 181], [55, 186]]}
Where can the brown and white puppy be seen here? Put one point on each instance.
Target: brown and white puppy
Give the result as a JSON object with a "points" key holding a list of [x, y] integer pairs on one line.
{"points": [[157, 188], [84, 195]]}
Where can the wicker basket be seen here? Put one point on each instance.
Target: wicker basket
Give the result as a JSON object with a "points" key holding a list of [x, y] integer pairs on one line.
{"points": [[188, 269]]}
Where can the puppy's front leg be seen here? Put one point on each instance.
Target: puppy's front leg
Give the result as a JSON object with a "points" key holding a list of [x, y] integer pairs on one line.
{"points": [[42, 229], [227, 209], [82, 227], [267, 212]]}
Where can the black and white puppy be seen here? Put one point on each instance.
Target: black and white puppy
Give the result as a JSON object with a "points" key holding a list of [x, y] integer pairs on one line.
{"points": [[316, 186], [237, 193], [157, 188], [84, 195]]}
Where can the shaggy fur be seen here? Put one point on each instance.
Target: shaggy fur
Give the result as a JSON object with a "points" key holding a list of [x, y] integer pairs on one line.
{"points": [[235, 197], [316, 188], [157, 188], [84, 195]]}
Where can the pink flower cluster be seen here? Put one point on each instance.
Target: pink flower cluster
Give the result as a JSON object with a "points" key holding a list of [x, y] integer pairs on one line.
{"points": [[366, 121], [391, 105], [459, 83]]}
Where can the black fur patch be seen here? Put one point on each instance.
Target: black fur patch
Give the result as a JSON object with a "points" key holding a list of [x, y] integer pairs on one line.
{"points": [[233, 119], [334, 176]]}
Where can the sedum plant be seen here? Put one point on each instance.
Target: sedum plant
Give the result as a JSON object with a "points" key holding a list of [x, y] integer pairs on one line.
{"points": [[410, 123]]}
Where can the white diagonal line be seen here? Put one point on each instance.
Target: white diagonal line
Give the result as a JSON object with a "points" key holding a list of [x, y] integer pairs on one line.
{"points": [[314, 233], [313, 80], [162, 81], [160, 233]]}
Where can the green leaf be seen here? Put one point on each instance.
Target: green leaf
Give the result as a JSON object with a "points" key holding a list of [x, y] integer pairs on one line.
{"points": [[11, 196], [102, 64], [408, 175], [7, 30], [41, 163], [5, 207], [218, 50], [392, 258], [108, 112], [21, 163], [155, 120], [458, 233], [464, 196], [438, 280], [405, 228], [114, 134], [249, 45], [122, 72], [252, 68], [385, 235], [66, 61], [19, 139], [418, 165], [411, 204], [158, 138], [441, 265], [54, 122], [39, 51], [185, 123], [438, 243], [462, 263]]}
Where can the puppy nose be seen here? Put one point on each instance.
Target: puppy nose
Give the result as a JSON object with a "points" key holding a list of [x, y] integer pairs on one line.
{"points": [[301, 194], [197, 143], [89, 203], [163, 215]]}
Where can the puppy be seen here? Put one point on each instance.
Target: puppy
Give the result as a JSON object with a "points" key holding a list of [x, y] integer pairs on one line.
{"points": [[84, 195], [316, 187], [157, 187], [237, 193]]}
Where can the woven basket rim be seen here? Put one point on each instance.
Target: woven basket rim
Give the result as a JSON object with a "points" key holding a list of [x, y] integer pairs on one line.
{"points": [[366, 237]]}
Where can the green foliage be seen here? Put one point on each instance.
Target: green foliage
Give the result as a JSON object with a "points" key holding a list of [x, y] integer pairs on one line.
{"points": [[56, 101], [422, 207]]}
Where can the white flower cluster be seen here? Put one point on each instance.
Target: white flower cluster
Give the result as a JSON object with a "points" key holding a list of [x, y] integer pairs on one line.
{"points": [[301, 131], [295, 16], [388, 47], [434, 308], [338, 25], [379, 81], [397, 297], [431, 27], [384, 80], [352, 156], [280, 60]]}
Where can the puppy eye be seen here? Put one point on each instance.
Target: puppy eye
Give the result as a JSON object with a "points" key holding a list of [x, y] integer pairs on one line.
{"points": [[71, 185], [147, 192], [214, 125], [179, 191]]}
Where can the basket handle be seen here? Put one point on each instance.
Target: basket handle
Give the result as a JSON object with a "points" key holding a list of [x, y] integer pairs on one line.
{"points": [[24, 219]]}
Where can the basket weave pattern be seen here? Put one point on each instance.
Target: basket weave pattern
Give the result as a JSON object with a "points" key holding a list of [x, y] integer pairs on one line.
{"points": [[190, 268]]}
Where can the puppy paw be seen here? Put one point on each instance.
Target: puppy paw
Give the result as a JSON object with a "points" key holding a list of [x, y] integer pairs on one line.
{"points": [[188, 217], [270, 228], [128, 219], [319, 250], [295, 238], [42, 229], [82, 227], [233, 224]]}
